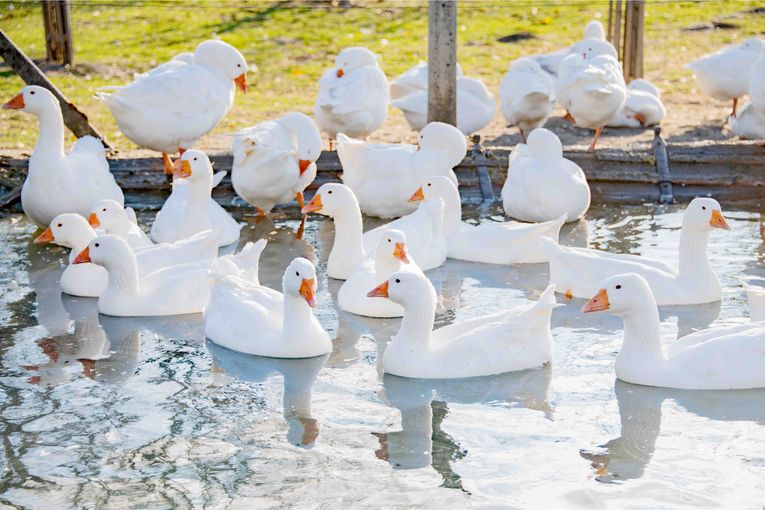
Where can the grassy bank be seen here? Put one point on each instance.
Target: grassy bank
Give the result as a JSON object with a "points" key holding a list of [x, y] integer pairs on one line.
{"points": [[291, 43]]}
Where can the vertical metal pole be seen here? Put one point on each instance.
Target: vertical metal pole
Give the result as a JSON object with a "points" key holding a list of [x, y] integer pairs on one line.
{"points": [[442, 61]]}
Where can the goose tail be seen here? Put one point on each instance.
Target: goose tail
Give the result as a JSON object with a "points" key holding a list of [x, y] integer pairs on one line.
{"points": [[547, 300], [550, 247]]}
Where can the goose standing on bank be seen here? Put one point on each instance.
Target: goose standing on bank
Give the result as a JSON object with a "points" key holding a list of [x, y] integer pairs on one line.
{"points": [[578, 271], [725, 75], [526, 96], [541, 184], [253, 319], [491, 242], [174, 224], [353, 96], [749, 123], [383, 175], [275, 161], [510, 340], [169, 108], [718, 358], [58, 182], [590, 86], [643, 106]]}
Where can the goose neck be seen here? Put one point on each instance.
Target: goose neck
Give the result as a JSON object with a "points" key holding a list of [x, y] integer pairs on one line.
{"points": [[417, 323], [123, 276], [297, 314], [642, 336], [50, 143], [452, 211], [693, 262], [348, 242]]}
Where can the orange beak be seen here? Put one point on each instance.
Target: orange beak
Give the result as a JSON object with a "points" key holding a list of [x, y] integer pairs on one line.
{"points": [[400, 252], [181, 168], [241, 82], [314, 205], [418, 196], [598, 303], [93, 220], [83, 257], [718, 220], [308, 291], [303, 165], [45, 237], [640, 118], [340, 73], [17, 103], [379, 291]]}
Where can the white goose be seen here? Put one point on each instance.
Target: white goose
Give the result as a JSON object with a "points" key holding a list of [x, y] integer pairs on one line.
{"points": [[383, 175], [643, 106], [353, 95], [245, 264], [253, 319], [170, 107], [423, 227], [175, 223], [756, 87], [749, 123], [57, 182], [550, 62], [725, 75], [590, 85], [541, 184], [413, 79], [526, 96], [275, 161], [89, 280], [578, 271], [119, 221], [493, 242], [475, 106], [721, 358], [178, 289], [390, 257], [515, 339]]}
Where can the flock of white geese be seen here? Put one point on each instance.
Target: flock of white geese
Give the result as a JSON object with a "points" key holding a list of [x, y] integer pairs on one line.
{"points": [[176, 268]]}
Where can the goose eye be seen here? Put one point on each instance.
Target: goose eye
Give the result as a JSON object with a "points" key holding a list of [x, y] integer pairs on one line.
{"points": [[388, 240], [297, 273], [104, 209], [32, 92], [195, 159], [329, 192], [60, 225], [97, 245], [429, 185], [398, 280], [704, 207], [239, 65], [618, 287]]}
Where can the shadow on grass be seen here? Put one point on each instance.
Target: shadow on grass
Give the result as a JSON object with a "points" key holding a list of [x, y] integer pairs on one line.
{"points": [[255, 18]]}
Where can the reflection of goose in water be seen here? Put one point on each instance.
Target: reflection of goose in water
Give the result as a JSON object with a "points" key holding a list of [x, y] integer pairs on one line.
{"points": [[627, 456], [124, 336], [44, 272], [423, 405], [299, 376]]}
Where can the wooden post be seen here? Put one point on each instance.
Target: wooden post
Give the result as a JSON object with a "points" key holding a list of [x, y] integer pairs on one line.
{"points": [[617, 28], [58, 31], [633, 39], [442, 61], [75, 120], [610, 33]]}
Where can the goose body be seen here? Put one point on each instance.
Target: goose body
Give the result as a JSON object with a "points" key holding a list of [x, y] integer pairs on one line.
{"points": [[249, 318], [475, 106], [579, 271], [275, 161], [515, 339], [350, 248], [541, 184], [245, 264], [353, 95], [493, 242], [413, 79], [389, 257], [718, 358], [749, 123], [58, 182], [526, 95], [643, 106], [550, 62], [173, 105], [193, 214], [174, 290], [382, 175], [724, 75]]}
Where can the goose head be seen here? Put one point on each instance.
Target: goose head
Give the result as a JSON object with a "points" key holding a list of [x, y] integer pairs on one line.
{"points": [[591, 48], [704, 214], [67, 230], [621, 294], [353, 58], [332, 199], [194, 166], [109, 251], [108, 214], [307, 136], [543, 143], [436, 187], [594, 30], [225, 58], [445, 138], [33, 99], [299, 280], [391, 246], [406, 289]]}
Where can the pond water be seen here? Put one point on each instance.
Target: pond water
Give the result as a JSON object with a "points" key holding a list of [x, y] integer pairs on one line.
{"points": [[98, 411]]}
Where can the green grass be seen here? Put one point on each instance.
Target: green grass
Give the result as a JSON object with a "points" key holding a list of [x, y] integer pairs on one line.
{"points": [[292, 43]]}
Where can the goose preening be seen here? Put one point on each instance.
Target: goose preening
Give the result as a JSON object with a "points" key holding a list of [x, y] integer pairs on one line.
{"points": [[58, 182], [718, 358], [526, 96], [643, 106]]}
